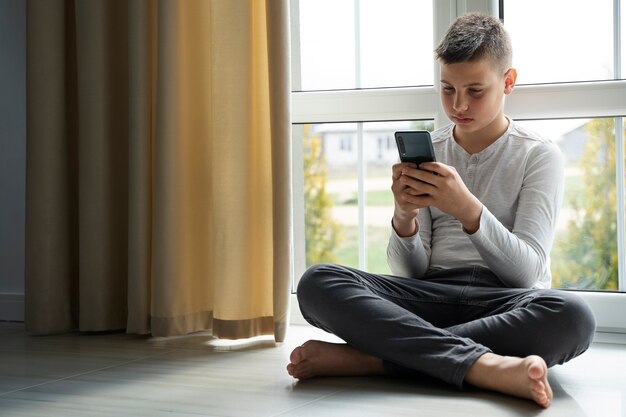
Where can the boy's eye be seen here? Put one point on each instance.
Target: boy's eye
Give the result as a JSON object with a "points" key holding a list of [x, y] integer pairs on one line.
{"points": [[475, 92], [448, 89]]}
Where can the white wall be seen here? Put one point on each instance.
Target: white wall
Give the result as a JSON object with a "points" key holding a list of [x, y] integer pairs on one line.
{"points": [[12, 157]]}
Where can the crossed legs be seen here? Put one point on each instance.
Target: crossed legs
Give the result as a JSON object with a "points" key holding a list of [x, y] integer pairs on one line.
{"points": [[457, 328], [520, 377]]}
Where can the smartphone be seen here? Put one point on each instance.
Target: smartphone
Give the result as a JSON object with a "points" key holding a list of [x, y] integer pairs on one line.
{"points": [[415, 146]]}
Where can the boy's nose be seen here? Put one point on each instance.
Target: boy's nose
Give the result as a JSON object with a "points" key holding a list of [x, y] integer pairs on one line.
{"points": [[459, 104]]}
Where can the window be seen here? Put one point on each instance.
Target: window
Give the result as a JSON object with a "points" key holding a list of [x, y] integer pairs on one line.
{"points": [[345, 44], [589, 249], [561, 40], [584, 254], [347, 199], [575, 95]]}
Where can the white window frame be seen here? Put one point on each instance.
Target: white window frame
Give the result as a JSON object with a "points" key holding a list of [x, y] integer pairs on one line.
{"points": [[545, 101]]}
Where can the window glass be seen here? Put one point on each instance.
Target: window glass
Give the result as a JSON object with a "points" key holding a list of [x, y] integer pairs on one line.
{"points": [[396, 43], [327, 53], [561, 40], [380, 153], [330, 201], [331, 190], [584, 254], [347, 44]]}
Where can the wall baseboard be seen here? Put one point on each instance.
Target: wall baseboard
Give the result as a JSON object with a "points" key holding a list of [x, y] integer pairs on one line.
{"points": [[11, 307], [609, 337]]}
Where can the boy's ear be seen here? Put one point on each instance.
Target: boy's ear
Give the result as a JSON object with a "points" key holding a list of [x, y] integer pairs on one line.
{"points": [[510, 76]]}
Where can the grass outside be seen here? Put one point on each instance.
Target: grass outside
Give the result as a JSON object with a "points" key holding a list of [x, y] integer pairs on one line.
{"points": [[378, 236], [574, 192]]}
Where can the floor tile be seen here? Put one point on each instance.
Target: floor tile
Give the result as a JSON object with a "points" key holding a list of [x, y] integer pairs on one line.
{"points": [[125, 375]]}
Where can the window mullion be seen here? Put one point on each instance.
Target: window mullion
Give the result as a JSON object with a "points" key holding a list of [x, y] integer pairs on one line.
{"points": [[357, 43], [361, 198], [362, 231], [621, 204], [297, 201], [568, 100], [617, 39], [619, 153], [485, 6], [296, 73], [444, 13]]}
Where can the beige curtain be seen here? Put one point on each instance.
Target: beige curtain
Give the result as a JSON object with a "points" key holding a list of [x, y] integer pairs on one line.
{"points": [[158, 166]]}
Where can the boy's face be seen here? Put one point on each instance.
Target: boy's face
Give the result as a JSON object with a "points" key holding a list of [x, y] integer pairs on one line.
{"points": [[472, 95]]}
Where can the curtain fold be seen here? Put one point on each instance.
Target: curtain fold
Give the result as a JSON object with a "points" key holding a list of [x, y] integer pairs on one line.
{"points": [[158, 167], [280, 126]]}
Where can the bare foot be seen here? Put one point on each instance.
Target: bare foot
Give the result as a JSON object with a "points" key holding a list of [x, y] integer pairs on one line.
{"points": [[316, 358], [520, 377]]}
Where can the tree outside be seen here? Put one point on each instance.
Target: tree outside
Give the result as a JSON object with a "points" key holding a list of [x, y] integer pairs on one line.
{"points": [[328, 237], [322, 233], [584, 256]]}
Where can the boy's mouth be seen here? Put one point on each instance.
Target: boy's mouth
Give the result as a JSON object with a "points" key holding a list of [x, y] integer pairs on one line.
{"points": [[461, 119]]}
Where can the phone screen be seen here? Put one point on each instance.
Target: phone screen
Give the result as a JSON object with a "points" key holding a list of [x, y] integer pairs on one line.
{"points": [[415, 146]]}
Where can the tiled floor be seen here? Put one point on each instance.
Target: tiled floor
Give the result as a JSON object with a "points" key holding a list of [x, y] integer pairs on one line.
{"points": [[123, 375]]}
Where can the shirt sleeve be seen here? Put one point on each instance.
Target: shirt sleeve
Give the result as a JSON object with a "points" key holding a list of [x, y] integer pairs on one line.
{"points": [[520, 256], [409, 256]]}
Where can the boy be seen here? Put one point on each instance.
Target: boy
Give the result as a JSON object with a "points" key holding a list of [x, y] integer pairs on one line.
{"points": [[469, 248]]}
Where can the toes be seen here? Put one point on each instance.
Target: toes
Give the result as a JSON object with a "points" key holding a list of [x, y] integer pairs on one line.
{"points": [[297, 355], [302, 353], [537, 372], [542, 402], [536, 369], [294, 371], [541, 393], [300, 372]]}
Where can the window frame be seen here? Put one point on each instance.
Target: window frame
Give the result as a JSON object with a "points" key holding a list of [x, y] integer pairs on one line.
{"points": [[587, 99]]}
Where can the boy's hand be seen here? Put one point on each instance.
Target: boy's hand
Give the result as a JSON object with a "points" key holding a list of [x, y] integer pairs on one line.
{"points": [[438, 185], [406, 208]]}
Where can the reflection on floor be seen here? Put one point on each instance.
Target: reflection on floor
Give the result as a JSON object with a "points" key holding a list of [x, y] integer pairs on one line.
{"points": [[125, 375]]}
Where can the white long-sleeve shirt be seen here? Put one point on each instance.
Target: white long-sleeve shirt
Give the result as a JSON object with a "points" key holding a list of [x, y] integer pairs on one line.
{"points": [[519, 181]]}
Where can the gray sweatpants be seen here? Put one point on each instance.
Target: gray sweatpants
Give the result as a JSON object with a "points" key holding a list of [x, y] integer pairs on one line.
{"points": [[440, 324]]}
